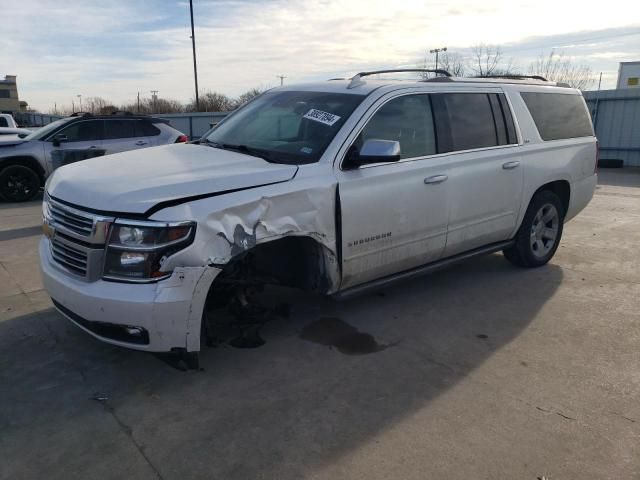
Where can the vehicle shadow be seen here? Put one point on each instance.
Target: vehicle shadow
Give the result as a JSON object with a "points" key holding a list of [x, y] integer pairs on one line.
{"points": [[73, 407]]}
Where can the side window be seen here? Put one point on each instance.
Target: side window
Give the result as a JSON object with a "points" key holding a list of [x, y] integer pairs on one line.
{"points": [[3, 122], [465, 121], [558, 115], [83, 131], [146, 129], [116, 129], [407, 120]]}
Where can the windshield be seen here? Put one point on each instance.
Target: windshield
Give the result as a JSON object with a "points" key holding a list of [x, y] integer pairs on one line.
{"points": [[286, 126], [44, 131]]}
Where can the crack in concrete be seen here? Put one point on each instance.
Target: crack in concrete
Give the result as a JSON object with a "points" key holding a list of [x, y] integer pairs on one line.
{"points": [[556, 412], [126, 429], [58, 345]]}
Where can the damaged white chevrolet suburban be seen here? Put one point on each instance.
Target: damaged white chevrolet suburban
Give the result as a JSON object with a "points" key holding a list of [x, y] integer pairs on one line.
{"points": [[334, 187]]}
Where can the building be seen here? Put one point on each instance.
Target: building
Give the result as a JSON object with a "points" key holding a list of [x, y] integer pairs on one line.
{"points": [[9, 102], [629, 75]]}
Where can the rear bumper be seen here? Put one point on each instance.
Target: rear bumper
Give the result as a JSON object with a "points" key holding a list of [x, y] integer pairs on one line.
{"points": [[581, 194], [167, 314]]}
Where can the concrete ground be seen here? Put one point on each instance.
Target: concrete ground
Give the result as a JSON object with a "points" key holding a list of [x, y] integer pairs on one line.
{"points": [[489, 372]]}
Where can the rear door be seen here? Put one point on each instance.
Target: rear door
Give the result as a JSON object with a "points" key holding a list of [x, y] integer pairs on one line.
{"points": [[124, 134], [485, 174]]}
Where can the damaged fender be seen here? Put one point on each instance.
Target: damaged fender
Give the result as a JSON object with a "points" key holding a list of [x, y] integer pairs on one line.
{"points": [[232, 224]]}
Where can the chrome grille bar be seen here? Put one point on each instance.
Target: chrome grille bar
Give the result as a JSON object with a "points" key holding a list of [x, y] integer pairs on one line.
{"points": [[68, 256], [77, 238]]}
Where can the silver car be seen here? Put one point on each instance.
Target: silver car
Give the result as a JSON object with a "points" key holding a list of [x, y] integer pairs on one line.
{"points": [[25, 163]]}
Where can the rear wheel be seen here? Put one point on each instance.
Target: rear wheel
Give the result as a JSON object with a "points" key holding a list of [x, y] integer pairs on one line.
{"points": [[539, 235], [18, 183]]}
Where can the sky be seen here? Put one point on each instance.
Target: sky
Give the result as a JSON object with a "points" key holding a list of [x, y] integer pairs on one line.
{"points": [[116, 48]]}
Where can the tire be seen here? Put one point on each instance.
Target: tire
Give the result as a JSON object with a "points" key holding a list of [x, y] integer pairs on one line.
{"points": [[18, 183], [540, 232]]}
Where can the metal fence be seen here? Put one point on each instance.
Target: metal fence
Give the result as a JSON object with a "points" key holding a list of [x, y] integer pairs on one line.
{"points": [[616, 118], [192, 124]]}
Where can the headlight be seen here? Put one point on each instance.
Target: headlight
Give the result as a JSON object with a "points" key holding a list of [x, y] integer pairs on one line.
{"points": [[137, 250]]}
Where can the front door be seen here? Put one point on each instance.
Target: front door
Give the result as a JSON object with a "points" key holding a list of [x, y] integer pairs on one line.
{"points": [[78, 141], [394, 215]]}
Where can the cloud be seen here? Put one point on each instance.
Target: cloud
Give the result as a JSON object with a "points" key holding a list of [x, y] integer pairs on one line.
{"points": [[116, 48]]}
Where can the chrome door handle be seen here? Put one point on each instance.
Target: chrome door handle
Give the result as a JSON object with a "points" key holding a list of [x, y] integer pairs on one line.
{"points": [[140, 142], [435, 179], [511, 165]]}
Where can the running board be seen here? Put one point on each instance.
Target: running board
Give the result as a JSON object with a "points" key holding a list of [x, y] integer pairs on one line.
{"points": [[418, 271]]}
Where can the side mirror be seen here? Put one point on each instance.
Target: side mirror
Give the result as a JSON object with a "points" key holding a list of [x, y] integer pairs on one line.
{"points": [[58, 139], [375, 151]]}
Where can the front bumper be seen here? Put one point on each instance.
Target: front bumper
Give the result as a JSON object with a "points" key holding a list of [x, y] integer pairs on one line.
{"points": [[167, 314]]}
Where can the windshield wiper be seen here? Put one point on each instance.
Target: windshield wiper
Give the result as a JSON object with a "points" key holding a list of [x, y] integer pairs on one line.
{"points": [[254, 152]]}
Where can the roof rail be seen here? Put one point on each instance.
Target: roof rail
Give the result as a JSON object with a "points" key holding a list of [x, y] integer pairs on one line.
{"points": [[356, 80], [515, 77], [81, 114]]}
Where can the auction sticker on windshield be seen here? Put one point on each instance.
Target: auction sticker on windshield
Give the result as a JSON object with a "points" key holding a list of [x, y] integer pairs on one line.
{"points": [[322, 117]]}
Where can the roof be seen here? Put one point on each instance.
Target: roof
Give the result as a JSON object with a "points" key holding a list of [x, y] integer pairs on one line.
{"points": [[366, 86], [363, 84]]}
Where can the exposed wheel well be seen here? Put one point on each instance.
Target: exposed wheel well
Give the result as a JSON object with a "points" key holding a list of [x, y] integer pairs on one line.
{"points": [[299, 262], [27, 161], [562, 188]]}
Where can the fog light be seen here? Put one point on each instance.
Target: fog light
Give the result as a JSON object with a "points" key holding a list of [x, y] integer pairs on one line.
{"points": [[135, 331]]}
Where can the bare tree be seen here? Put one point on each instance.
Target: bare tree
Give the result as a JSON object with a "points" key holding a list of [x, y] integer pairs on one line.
{"points": [[95, 104], [149, 106], [212, 102], [488, 60], [247, 96], [453, 63], [558, 68]]}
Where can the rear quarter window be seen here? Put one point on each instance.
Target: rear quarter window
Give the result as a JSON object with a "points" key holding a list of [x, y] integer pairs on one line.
{"points": [[558, 116], [146, 129]]}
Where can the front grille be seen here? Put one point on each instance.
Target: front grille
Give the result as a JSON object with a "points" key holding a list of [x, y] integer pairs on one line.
{"points": [[77, 238], [71, 221], [70, 255]]}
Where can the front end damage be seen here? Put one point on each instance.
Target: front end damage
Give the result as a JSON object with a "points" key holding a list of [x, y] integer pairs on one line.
{"points": [[243, 241], [281, 238]]}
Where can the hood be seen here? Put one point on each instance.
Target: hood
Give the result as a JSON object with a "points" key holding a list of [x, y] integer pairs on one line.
{"points": [[11, 140], [136, 181]]}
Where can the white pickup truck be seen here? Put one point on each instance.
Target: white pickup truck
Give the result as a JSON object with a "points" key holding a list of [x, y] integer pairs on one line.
{"points": [[336, 187]]}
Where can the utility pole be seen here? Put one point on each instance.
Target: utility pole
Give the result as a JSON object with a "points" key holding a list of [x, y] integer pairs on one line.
{"points": [[600, 81], [138, 102], [154, 97], [437, 51], [73, 106], [281, 77], [80, 97], [193, 44]]}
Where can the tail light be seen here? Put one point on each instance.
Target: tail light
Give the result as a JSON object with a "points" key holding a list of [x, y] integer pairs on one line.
{"points": [[182, 139], [595, 168]]}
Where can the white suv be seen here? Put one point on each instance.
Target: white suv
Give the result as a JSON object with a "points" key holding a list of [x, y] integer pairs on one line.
{"points": [[334, 187], [27, 160]]}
